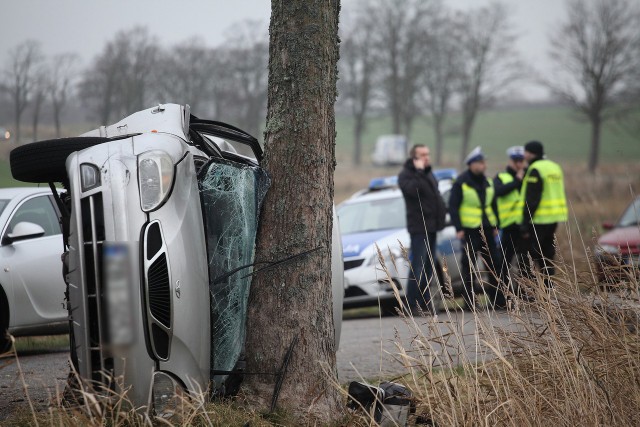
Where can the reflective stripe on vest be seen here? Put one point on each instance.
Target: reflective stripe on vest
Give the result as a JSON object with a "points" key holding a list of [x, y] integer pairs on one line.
{"points": [[553, 203], [509, 210], [471, 209]]}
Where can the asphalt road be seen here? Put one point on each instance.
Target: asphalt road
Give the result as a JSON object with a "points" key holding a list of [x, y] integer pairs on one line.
{"points": [[368, 350]]}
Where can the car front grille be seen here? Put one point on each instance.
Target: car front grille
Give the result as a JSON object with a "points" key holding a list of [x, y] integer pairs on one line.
{"points": [[353, 263], [157, 291], [93, 231]]}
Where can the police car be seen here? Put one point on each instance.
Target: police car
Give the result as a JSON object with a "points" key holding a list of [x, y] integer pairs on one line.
{"points": [[374, 219]]}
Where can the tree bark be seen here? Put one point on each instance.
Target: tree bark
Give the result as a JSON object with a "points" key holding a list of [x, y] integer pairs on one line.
{"points": [[294, 300]]}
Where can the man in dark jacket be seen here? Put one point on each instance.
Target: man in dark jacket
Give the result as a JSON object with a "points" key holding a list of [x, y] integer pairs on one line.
{"points": [[425, 217], [472, 210]]}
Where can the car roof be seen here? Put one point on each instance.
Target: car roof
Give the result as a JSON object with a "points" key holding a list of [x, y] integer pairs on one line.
{"points": [[10, 193], [387, 193]]}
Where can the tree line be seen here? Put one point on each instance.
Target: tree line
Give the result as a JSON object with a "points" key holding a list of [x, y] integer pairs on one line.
{"points": [[409, 59]]}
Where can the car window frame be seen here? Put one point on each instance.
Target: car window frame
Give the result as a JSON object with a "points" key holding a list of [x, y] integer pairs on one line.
{"points": [[48, 197]]}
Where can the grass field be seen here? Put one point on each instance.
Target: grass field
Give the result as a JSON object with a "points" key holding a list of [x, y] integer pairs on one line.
{"points": [[564, 137]]}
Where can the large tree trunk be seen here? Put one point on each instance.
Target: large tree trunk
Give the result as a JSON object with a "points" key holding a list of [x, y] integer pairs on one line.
{"points": [[294, 300], [594, 154]]}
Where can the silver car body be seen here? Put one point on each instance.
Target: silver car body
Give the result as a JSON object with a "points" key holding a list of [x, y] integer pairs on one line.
{"points": [[110, 216], [30, 271]]}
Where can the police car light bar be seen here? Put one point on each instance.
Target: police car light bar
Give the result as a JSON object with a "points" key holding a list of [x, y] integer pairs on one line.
{"points": [[383, 182]]}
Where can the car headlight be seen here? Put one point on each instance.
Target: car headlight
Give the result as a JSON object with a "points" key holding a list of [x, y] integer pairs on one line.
{"points": [[167, 395], [89, 176], [387, 255], [155, 178], [610, 249]]}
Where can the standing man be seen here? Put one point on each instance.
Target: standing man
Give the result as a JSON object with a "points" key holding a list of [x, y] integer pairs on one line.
{"points": [[543, 205], [507, 185], [472, 210], [426, 213]]}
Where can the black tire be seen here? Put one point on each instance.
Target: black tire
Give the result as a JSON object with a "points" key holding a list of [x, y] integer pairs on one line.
{"points": [[44, 161], [5, 343]]}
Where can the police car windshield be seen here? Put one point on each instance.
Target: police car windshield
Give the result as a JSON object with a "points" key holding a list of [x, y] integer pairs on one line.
{"points": [[372, 215], [630, 217]]}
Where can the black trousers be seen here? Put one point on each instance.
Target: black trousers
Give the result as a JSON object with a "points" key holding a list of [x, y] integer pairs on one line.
{"points": [[481, 241], [510, 243], [540, 246]]}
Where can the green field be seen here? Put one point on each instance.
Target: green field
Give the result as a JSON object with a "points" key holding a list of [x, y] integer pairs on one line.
{"points": [[564, 137]]}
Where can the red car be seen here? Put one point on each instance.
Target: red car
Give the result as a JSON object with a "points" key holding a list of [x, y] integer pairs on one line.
{"points": [[618, 250]]}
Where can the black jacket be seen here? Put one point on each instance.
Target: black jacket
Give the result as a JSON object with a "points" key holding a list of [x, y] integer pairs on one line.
{"points": [[424, 204], [504, 189], [532, 198], [480, 184]]}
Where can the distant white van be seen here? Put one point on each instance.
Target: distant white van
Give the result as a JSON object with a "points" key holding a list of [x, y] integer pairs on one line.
{"points": [[390, 150]]}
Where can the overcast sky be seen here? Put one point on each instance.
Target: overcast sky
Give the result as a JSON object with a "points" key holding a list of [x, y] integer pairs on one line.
{"points": [[84, 26]]}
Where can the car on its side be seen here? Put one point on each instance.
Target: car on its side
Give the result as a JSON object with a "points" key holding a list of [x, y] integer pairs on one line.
{"points": [[31, 284], [375, 219], [619, 248], [160, 216]]}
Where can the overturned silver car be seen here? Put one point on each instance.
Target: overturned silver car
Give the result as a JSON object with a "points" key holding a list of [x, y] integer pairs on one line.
{"points": [[159, 220]]}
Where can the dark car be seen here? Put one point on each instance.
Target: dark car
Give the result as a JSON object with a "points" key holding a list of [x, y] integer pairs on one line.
{"points": [[618, 251]]}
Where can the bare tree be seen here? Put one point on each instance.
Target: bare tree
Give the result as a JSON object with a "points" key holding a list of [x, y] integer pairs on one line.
{"points": [[357, 73], [185, 74], [39, 95], [63, 72], [598, 49], [440, 72], [489, 63], [297, 215], [400, 26], [246, 55], [120, 79], [19, 76]]}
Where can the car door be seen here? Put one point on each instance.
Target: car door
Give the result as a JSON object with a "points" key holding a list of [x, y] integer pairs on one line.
{"points": [[34, 266]]}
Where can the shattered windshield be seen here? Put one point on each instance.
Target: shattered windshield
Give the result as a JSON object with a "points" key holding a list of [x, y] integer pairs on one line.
{"points": [[231, 195]]}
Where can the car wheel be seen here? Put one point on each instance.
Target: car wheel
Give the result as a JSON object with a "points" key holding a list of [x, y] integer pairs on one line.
{"points": [[5, 342], [44, 161]]}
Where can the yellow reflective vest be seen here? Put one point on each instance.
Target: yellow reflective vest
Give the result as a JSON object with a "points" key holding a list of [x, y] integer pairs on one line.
{"points": [[471, 209], [509, 210], [553, 202]]}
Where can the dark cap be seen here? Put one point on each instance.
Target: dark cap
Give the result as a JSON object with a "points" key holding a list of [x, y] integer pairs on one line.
{"points": [[534, 147]]}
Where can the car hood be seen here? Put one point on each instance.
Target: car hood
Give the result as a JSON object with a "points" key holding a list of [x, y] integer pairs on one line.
{"points": [[628, 238], [363, 244]]}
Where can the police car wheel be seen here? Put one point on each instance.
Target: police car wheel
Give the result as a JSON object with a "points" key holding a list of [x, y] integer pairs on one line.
{"points": [[44, 161]]}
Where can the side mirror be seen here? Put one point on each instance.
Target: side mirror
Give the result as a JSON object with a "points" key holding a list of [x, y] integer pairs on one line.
{"points": [[608, 225], [22, 231]]}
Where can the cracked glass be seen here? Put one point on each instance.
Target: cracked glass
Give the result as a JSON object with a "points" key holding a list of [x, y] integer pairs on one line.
{"points": [[232, 194]]}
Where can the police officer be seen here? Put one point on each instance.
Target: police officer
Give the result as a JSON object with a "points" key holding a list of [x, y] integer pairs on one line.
{"points": [[472, 210], [543, 205], [507, 187]]}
